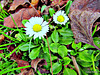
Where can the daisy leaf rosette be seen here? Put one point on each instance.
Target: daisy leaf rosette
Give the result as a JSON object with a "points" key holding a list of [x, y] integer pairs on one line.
{"points": [[37, 27], [60, 17]]}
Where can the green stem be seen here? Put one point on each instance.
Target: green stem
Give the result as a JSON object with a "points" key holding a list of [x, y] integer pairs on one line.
{"points": [[4, 72], [95, 72], [6, 44]]}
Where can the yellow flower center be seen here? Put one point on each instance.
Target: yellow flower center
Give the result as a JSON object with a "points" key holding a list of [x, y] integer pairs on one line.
{"points": [[37, 27], [60, 18]]}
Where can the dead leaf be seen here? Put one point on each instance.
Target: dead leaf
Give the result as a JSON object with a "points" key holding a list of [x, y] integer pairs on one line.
{"points": [[35, 3], [75, 64], [1, 38], [38, 62], [82, 16], [59, 2], [24, 13], [89, 5], [27, 72], [22, 63], [16, 3]]}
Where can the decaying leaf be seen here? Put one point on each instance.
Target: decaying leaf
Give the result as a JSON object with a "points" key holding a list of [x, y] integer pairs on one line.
{"points": [[16, 3], [34, 3], [22, 63], [27, 72], [24, 13], [82, 16], [89, 5], [38, 62], [1, 38], [59, 2]]}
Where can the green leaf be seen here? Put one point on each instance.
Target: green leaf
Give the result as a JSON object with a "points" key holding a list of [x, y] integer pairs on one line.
{"points": [[65, 32], [62, 51], [65, 40], [68, 71], [83, 63], [54, 47], [97, 41], [85, 56], [55, 36], [46, 17], [24, 21], [68, 6], [20, 36], [34, 53], [25, 47], [73, 52], [43, 7], [56, 68], [51, 11], [67, 60], [76, 46]]}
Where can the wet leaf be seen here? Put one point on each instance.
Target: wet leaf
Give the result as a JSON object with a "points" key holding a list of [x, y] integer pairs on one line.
{"points": [[38, 62], [24, 13], [22, 63], [16, 3], [83, 13]]}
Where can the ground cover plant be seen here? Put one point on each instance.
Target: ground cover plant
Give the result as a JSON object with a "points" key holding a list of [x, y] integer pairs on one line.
{"points": [[49, 37]]}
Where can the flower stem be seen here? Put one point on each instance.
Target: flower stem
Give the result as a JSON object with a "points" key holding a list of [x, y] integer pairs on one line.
{"points": [[50, 54]]}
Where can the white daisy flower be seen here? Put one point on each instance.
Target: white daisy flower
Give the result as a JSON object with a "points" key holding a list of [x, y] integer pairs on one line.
{"points": [[37, 27], [60, 17]]}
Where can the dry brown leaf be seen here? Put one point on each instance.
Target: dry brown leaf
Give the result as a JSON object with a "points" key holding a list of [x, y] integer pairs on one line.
{"points": [[27, 72], [16, 3], [1, 38], [89, 5], [75, 64], [25, 13], [35, 63], [35, 3], [59, 2], [82, 15], [22, 63]]}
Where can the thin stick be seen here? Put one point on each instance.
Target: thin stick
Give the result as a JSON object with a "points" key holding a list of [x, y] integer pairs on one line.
{"points": [[50, 54]]}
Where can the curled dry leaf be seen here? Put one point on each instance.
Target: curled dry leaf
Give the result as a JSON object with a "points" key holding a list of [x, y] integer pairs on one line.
{"points": [[1, 38], [16, 3], [38, 62], [82, 17], [24, 13], [22, 63]]}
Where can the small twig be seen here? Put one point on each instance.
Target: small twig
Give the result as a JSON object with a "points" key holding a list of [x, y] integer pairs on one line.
{"points": [[50, 54], [34, 9]]}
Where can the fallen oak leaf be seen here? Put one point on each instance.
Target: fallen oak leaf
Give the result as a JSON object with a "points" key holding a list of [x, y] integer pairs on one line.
{"points": [[17, 3], [24, 13]]}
